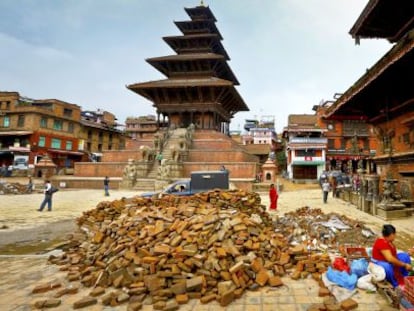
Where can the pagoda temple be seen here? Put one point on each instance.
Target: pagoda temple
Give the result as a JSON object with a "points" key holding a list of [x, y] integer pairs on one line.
{"points": [[200, 86], [190, 132]]}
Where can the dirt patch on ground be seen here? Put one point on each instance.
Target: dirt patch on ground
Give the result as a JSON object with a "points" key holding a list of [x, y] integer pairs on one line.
{"points": [[35, 239]]}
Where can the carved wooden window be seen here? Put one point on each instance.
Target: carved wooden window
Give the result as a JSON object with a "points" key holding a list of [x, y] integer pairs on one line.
{"points": [[354, 128], [406, 138], [20, 121], [331, 143]]}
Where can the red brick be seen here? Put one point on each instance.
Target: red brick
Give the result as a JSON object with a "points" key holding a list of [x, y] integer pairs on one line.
{"points": [[349, 304]]}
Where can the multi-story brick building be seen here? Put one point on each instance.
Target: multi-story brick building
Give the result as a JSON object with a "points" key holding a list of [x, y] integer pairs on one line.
{"points": [[350, 140], [384, 94], [143, 126], [32, 128], [99, 132]]}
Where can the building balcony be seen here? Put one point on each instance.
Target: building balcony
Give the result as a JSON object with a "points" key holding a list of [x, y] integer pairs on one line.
{"points": [[331, 151], [308, 140], [308, 160]]}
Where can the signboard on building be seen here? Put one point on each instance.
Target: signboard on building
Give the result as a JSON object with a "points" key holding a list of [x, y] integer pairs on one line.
{"points": [[20, 162], [81, 145]]}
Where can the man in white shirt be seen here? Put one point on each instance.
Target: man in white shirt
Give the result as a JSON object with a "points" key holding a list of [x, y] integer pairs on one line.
{"points": [[325, 188], [48, 197]]}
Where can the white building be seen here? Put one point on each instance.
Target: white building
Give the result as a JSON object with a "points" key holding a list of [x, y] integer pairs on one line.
{"points": [[305, 148]]}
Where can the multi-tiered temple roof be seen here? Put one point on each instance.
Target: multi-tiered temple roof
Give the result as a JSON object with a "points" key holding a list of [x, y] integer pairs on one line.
{"points": [[200, 86]]}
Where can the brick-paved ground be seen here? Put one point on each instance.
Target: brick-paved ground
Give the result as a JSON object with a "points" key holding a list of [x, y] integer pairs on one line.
{"points": [[19, 274], [23, 273]]}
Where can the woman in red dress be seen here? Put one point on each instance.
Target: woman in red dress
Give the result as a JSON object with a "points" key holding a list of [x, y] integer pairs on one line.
{"points": [[384, 253], [273, 196]]}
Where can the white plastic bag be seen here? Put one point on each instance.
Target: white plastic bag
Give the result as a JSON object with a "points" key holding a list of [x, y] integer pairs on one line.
{"points": [[365, 282], [377, 272]]}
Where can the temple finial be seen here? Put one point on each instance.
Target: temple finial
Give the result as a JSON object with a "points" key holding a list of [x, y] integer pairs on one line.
{"points": [[201, 3]]}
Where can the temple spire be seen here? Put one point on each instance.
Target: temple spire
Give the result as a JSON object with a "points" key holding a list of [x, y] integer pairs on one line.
{"points": [[201, 3]]}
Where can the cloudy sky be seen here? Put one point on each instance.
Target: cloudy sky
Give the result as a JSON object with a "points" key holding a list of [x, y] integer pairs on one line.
{"points": [[288, 55]]}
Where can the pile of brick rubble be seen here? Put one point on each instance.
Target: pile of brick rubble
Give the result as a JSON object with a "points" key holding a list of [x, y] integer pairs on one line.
{"points": [[12, 188], [210, 246]]}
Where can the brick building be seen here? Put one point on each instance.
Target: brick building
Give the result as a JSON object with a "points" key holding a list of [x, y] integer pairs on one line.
{"points": [[143, 126], [383, 96], [350, 140], [32, 128], [99, 132]]}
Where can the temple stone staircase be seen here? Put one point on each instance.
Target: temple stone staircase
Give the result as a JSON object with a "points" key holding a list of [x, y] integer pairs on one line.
{"points": [[207, 151], [149, 183], [173, 140]]}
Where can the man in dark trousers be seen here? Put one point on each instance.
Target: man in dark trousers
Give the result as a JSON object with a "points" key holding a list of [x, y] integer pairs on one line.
{"points": [[326, 187], [48, 197], [106, 186]]}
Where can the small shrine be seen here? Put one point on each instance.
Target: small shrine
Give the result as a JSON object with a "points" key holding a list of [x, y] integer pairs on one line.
{"points": [[269, 169], [45, 168]]}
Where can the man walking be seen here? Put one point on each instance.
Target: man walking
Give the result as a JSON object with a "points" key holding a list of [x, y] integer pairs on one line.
{"points": [[106, 186], [48, 197], [325, 188]]}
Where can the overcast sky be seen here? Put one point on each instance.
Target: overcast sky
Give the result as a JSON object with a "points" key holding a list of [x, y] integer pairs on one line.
{"points": [[288, 55]]}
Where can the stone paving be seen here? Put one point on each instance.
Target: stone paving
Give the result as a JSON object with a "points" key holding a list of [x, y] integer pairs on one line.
{"points": [[23, 273]]}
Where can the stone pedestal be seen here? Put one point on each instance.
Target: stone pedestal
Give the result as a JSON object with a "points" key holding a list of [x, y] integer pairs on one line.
{"points": [[393, 210], [359, 202], [375, 206], [354, 197], [366, 206], [373, 186], [170, 170], [369, 193], [391, 206], [161, 184], [176, 170], [129, 176], [142, 168]]}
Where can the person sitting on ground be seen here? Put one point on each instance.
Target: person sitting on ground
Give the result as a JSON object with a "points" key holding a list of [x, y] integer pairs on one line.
{"points": [[384, 253]]}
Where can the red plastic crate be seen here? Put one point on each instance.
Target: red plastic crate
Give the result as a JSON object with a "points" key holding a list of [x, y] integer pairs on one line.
{"points": [[409, 288]]}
